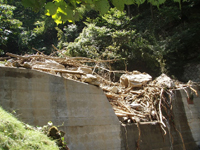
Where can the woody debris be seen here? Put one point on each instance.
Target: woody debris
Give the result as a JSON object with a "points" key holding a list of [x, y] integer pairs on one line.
{"points": [[135, 98]]}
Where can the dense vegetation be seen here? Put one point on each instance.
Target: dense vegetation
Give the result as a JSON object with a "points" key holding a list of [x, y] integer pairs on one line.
{"points": [[145, 37]]}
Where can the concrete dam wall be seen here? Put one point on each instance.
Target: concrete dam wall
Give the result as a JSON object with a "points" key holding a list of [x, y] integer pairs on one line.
{"points": [[87, 117]]}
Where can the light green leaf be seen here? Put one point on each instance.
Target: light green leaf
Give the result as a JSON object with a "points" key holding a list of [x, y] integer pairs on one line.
{"points": [[119, 4], [57, 18], [177, 1], [89, 1], [139, 2], [28, 3], [73, 2], [156, 2], [129, 2], [51, 8], [60, 3], [102, 6], [35, 4]]}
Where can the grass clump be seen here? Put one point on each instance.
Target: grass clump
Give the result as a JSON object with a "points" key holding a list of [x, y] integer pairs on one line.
{"points": [[15, 136]]}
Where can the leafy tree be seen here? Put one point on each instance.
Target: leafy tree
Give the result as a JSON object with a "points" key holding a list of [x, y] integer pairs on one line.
{"points": [[37, 30], [9, 26], [62, 10]]}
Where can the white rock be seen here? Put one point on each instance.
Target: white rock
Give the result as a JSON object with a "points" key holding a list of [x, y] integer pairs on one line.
{"points": [[114, 89], [164, 81], [136, 106], [85, 70], [47, 64], [136, 79], [91, 79]]}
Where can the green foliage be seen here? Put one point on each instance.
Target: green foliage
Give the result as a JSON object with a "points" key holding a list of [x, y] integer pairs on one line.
{"points": [[102, 6], [90, 41], [9, 25], [68, 34], [62, 11], [107, 37], [37, 31], [16, 135], [35, 4]]}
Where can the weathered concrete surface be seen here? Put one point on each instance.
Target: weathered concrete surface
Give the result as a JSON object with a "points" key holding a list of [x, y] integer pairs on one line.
{"points": [[192, 112], [89, 121], [185, 131]]}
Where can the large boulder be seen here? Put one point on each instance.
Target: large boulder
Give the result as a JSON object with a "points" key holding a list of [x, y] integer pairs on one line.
{"points": [[164, 81], [135, 79]]}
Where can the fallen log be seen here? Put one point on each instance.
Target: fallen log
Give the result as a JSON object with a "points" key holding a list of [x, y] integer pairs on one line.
{"points": [[60, 70], [16, 56], [4, 58]]}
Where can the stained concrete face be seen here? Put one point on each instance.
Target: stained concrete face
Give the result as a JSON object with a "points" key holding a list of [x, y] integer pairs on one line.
{"points": [[84, 111]]}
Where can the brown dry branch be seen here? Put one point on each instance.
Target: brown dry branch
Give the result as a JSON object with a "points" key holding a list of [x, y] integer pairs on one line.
{"points": [[61, 71], [37, 51], [139, 134], [194, 90], [4, 58], [16, 56], [55, 48]]}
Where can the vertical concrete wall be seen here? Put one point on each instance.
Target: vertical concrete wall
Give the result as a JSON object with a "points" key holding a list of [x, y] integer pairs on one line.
{"points": [[182, 134], [192, 110], [89, 121]]}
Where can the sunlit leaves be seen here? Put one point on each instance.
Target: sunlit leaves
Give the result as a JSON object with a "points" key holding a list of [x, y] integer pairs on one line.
{"points": [[62, 10], [51, 8]]}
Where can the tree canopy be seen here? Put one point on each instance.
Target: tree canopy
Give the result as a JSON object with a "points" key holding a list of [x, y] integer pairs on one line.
{"points": [[70, 10]]}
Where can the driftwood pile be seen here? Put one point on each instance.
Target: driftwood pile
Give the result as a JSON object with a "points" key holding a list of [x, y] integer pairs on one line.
{"points": [[135, 98]]}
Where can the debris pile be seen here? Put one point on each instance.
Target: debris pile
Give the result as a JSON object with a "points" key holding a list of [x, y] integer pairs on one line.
{"points": [[135, 98]]}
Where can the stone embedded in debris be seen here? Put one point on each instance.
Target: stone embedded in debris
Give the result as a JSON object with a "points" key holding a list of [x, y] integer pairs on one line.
{"points": [[51, 64], [135, 119], [164, 81], [136, 79], [89, 78], [114, 89], [191, 83], [85, 70], [16, 64], [153, 114], [9, 62], [136, 106], [27, 65]]}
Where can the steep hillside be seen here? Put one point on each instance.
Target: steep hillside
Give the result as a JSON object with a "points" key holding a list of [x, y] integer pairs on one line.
{"points": [[15, 135]]}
